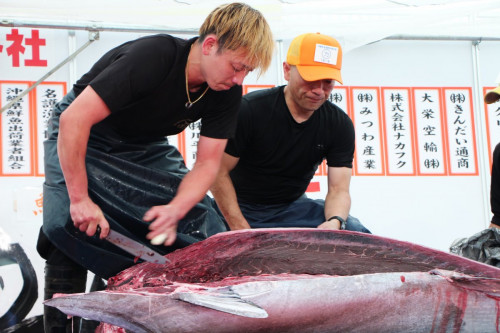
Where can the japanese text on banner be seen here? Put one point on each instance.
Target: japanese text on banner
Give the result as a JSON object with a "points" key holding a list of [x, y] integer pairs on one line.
{"points": [[461, 133], [366, 118], [429, 131], [398, 131]]}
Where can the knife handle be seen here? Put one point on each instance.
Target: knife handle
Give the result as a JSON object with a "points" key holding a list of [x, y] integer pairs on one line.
{"points": [[97, 232]]}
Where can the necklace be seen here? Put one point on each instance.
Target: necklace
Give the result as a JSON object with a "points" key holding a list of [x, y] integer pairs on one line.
{"points": [[189, 104]]}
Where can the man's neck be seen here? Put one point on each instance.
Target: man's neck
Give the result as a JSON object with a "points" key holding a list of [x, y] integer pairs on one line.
{"points": [[195, 78]]}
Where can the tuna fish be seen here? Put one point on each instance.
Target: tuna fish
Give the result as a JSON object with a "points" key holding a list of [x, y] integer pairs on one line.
{"points": [[297, 280]]}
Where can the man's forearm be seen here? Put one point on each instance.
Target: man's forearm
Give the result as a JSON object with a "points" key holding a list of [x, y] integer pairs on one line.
{"points": [[193, 187], [226, 199], [337, 204], [74, 130], [71, 149], [195, 184]]}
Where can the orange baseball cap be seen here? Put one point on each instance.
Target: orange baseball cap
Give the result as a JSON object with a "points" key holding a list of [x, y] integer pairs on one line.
{"points": [[316, 56]]}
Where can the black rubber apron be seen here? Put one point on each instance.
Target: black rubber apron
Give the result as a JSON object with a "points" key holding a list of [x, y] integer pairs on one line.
{"points": [[125, 179]]}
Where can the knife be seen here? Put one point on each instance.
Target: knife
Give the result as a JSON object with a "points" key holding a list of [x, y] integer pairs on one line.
{"points": [[135, 248]]}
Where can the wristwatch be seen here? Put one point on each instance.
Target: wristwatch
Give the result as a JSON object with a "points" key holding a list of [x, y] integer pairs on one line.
{"points": [[341, 220]]}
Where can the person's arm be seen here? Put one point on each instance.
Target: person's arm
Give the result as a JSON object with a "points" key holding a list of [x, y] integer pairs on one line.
{"points": [[225, 195], [338, 199], [74, 130], [495, 188], [194, 186]]}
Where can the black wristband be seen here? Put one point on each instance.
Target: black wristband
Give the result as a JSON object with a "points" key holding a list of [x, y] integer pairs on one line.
{"points": [[341, 220]]}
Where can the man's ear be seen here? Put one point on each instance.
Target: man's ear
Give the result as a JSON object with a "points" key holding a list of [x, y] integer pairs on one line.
{"points": [[286, 70], [210, 44]]}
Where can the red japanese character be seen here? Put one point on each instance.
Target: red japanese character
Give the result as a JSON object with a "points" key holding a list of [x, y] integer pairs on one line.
{"points": [[35, 41], [16, 46]]}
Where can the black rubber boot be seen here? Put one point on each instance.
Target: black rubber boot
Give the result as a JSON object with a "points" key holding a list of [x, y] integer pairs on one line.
{"points": [[62, 279]]}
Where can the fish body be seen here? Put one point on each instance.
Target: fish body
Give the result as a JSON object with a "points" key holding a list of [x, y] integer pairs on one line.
{"points": [[298, 280]]}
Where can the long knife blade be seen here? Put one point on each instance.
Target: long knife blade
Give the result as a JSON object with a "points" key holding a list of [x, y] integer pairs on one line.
{"points": [[135, 248]]}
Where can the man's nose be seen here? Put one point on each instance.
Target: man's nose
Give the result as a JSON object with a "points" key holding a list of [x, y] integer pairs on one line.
{"points": [[317, 86], [238, 77]]}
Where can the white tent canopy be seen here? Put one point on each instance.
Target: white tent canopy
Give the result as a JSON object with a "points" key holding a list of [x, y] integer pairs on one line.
{"points": [[353, 23]]}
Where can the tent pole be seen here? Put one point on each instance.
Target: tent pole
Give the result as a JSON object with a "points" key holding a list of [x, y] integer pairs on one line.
{"points": [[279, 62], [94, 27], [481, 133], [72, 48], [444, 38]]}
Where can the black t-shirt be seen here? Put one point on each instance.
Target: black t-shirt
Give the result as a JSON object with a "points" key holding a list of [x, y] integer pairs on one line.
{"points": [[143, 84], [495, 186], [278, 156]]}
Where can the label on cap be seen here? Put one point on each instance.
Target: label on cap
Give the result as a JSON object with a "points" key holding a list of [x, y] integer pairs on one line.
{"points": [[326, 54]]}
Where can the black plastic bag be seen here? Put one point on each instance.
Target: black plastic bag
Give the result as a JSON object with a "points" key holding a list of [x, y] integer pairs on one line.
{"points": [[483, 247]]}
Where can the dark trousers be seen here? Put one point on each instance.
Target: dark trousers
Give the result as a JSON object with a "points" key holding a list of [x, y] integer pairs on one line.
{"points": [[63, 275], [301, 213]]}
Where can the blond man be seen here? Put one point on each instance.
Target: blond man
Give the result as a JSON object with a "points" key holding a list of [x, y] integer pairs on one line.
{"points": [[108, 164]]}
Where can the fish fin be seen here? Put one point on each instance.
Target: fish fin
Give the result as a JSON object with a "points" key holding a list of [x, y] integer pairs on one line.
{"points": [[224, 300], [487, 285]]}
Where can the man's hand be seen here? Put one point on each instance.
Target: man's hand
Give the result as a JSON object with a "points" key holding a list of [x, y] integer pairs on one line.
{"points": [[164, 227], [239, 225], [86, 216], [332, 225]]}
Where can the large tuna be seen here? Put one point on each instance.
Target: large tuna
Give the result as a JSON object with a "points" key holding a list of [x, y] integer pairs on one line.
{"points": [[298, 280]]}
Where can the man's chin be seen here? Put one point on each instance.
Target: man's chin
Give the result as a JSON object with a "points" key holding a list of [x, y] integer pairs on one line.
{"points": [[221, 87], [315, 106]]}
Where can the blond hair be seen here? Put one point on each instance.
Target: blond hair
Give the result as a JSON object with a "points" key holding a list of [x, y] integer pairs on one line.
{"points": [[238, 25]]}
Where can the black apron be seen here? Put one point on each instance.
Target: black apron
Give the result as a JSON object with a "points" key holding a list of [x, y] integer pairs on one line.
{"points": [[125, 179]]}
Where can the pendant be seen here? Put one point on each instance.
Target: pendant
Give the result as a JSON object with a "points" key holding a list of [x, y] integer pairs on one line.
{"points": [[188, 105]]}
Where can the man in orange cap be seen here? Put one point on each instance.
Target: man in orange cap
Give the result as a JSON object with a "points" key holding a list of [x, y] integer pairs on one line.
{"points": [[283, 135], [491, 97]]}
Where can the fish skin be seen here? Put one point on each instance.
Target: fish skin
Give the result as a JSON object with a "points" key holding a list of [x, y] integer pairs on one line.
{"points": [[358, 270], [438, 301]]}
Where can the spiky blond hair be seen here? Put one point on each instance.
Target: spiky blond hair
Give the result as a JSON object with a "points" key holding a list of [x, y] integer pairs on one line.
{"points": [[238, 25]]}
